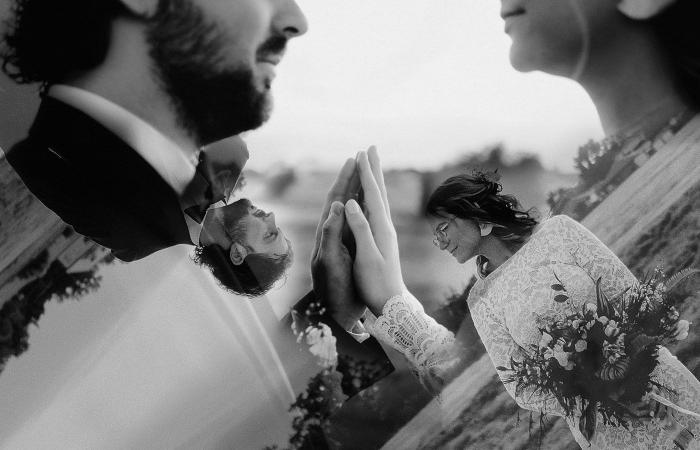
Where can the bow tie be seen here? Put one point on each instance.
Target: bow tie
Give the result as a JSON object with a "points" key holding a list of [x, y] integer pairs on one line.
{"points": [[217, 174]]}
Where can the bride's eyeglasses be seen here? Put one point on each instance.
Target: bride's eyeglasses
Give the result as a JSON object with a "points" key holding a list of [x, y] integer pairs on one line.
{"points": [[441, 240]]}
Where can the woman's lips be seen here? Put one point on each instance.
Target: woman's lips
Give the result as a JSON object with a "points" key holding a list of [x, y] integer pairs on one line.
{"points": [[511, 12]]}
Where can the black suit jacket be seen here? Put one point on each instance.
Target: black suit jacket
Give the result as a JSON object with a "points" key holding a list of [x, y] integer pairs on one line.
{"points": [[97, 183]]}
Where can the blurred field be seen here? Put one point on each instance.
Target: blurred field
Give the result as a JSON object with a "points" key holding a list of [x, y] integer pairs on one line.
{"points": [[27, 227]]}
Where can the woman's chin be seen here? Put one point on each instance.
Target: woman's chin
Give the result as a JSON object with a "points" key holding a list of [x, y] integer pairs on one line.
{"points": [[460, 258]]}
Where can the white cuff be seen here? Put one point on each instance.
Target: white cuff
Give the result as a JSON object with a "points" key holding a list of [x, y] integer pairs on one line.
{"points": [[358, 332]]}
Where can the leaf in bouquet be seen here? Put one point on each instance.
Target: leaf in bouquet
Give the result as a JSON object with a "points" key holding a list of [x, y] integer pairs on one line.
{"points": [[619, 295], [587, 422], [615, 370], [561, 298], [617, 299], [681, 276], [597, 334], [558, 288], [639, 343], [603, 302]]}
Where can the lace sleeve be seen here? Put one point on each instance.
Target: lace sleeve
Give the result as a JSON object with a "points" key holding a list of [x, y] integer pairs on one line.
{"points": [[595, 257], [427, 345], [501, 348]]}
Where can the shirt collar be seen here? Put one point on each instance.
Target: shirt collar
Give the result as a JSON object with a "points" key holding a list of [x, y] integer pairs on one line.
{"points": [[195, 228], [174, 164]]}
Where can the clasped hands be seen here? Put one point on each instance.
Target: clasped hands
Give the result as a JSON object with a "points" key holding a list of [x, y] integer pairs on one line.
{"points": [[355, 260]]}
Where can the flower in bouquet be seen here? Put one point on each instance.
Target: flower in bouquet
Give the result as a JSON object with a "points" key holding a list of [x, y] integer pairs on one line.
{"points": [[322, 344], [324, 392], [681, 332], [584, 358]]}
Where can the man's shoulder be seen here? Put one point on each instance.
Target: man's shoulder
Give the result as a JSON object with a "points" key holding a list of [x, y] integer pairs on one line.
{"points": [[96, 183]]}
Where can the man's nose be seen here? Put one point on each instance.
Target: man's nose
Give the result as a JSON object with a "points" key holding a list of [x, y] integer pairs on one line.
{"points": [[290, 21]]}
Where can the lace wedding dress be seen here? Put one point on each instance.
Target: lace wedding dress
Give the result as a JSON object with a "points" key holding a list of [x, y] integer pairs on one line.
{"points": [[508, 306]]}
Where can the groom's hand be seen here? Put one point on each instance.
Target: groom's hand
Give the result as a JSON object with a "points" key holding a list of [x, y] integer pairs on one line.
{"points": [[331, 263]]}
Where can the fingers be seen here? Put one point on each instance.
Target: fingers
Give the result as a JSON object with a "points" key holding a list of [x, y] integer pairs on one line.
{"points": [[376, 166], [354, 184], [338, 192], [341, 185], [332, 229], [373, 197], [360, 229]]}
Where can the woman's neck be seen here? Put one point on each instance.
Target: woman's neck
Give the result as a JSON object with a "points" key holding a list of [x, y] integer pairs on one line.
{"points": [[632, 85], [496, 251]]}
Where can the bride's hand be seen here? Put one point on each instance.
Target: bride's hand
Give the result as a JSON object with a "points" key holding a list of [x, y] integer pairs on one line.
{"points": [[377, 268]]}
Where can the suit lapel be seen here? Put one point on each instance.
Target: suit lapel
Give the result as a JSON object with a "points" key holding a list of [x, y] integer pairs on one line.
{"points": [[115, 171]]}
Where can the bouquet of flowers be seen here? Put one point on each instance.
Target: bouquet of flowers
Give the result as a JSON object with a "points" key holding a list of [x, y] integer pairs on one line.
{"points": [[600, 357], [324, 394]]}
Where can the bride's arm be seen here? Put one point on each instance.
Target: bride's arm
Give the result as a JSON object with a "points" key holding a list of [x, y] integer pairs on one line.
{"points": [[427, 346], [502, 349], [402, 323], [594, 257]]}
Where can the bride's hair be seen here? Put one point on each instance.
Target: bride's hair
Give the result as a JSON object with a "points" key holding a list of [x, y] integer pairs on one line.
{"points": [[678, 31], [478, 197]]}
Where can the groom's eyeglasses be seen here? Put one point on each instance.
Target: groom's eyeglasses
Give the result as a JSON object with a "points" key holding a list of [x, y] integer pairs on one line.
{"points": [[441, 240]]}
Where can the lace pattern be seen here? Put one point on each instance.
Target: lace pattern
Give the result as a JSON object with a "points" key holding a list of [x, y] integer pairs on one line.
{"points": [[426, 345]]}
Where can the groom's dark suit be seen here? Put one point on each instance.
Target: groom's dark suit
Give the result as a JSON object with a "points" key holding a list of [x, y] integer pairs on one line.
{"points": [[97, 183], [102, 187]]}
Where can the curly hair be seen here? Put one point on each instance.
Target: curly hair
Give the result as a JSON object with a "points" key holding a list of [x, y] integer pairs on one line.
{"points": [[477, 197], [678, 32], [254, 277], [47, 41]]}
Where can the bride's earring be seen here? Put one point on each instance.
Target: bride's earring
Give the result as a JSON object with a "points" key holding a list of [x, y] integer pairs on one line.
{"points": [[643, 9], [485, 229]]}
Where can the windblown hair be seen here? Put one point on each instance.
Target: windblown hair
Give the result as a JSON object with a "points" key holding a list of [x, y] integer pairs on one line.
{"points": [[477, 197], [678, 30], [47, 40], [255, 276]]}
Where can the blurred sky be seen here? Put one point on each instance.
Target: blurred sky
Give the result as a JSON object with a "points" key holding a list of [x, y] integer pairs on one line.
{"points": [[425, 81]]}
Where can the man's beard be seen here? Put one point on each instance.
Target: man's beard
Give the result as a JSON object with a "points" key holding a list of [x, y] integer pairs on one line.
{"points": [[211, 101]]}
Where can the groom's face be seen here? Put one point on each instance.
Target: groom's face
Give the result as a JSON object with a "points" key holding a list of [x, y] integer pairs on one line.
{"points": [[216, 60], [254, 228], [555, 36]]}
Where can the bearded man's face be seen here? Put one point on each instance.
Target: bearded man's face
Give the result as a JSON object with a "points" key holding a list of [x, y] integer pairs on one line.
{"points": [[216, 60]]}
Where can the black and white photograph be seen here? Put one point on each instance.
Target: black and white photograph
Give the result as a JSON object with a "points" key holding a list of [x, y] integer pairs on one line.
{"points": [[349, 225]]}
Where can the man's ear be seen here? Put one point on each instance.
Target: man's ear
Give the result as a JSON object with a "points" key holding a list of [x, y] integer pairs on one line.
{"points": [[141, 8], [237, 253]]}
